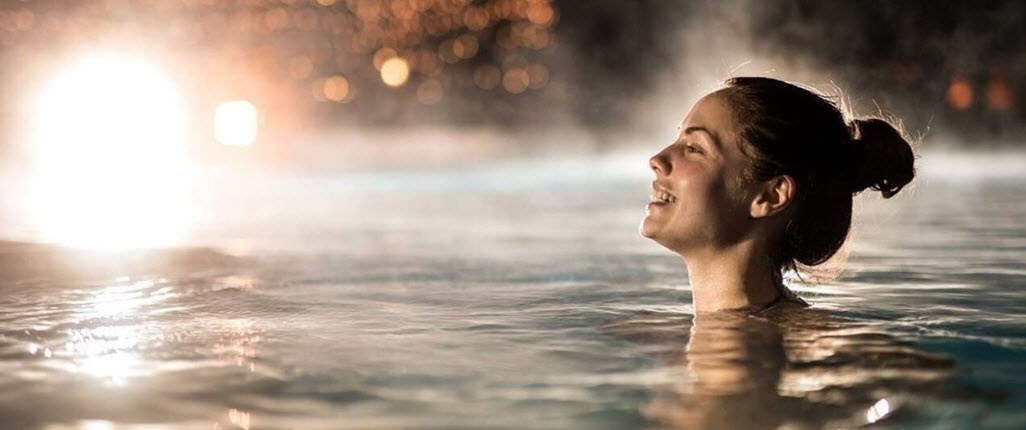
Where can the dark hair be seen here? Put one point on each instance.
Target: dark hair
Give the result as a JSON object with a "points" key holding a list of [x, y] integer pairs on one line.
{"points": [[787, 129]]}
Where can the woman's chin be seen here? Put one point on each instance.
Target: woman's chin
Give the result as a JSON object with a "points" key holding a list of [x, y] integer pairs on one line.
{"points": [[647, 229]]}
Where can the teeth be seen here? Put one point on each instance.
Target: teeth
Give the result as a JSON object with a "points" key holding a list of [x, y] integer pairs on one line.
{"points": [[662, 197]]}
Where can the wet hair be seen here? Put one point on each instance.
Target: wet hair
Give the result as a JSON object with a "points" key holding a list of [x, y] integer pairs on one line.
{"points": [[786, 129]]}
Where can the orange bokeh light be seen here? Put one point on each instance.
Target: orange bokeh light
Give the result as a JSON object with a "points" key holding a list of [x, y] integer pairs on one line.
{"points": [[960, 93], [999, 95]]}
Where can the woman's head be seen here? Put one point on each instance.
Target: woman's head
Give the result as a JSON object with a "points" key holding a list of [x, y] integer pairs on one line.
{"points": [[761, 159]]}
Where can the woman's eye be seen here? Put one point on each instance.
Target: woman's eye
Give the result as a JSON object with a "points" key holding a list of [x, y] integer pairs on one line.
{"points": [[692, 148]]}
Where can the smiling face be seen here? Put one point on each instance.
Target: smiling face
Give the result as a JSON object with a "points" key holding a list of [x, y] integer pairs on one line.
{"points": [[699, 197]]}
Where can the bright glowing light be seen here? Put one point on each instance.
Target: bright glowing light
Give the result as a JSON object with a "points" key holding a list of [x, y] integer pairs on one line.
{"points": [[108, 160], [111, 352], [879, 410], [239, 418], [235, 123], [395, 71], [96, 425], [115, 367]]}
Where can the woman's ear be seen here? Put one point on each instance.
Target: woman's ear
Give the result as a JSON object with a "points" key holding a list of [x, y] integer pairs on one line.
{"points": [[773, 196]]}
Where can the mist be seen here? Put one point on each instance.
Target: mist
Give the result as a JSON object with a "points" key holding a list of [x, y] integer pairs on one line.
{"points": [[441, 95]]}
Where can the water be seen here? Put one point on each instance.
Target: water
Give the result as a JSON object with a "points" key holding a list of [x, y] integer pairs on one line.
{"points": [[461, 299]]}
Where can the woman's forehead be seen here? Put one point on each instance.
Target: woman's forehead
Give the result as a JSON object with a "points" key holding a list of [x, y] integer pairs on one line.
{"points": [[710, 112], [713, 113]]}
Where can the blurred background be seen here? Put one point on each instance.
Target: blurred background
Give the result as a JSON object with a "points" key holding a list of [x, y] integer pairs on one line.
{"points": [[141, 123]]}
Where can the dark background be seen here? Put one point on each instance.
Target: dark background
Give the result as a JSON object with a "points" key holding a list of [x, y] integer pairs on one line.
{"points": [[953, 69]]}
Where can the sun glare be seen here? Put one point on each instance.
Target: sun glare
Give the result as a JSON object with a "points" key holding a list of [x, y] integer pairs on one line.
{"points": [[235, 123], [108, 162]]}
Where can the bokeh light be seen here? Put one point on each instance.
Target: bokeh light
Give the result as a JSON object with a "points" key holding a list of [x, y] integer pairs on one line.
{"points": [[465, 46], [960, 93], [999, 94], [107, 156], [236, 123], [395, 71], [284, 52], [336, 89], [515, 80], [538, 76], [381, 56]]}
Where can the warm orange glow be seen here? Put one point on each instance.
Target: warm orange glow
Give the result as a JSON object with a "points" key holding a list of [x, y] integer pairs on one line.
{"points": [[382, 55], [447, 52], [465, 46], [541, 14], [235, 123], [960, 94], [476, 18], [336, 88], [999, 95], [536, 37], [426, 62], [305, 41], [515, 80], [394, 72], [108, 164]]}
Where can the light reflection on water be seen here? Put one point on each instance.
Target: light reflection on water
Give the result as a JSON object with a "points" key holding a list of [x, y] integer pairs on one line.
{"points": [[524, 308]]}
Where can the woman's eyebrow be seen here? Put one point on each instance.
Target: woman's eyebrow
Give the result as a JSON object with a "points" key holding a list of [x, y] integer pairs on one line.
{"points": [[712, 136]]}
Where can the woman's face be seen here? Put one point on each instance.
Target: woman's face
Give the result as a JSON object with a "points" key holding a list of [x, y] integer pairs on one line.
{"points": [[699, 200]]}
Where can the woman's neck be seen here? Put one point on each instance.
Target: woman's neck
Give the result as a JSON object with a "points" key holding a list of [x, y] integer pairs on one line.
{"points": [[741, 276]]}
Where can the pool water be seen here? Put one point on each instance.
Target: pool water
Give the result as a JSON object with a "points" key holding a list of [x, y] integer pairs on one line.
{"points": [[454, 299]]}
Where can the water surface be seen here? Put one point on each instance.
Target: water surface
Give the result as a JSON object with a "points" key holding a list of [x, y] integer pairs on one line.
{"points": [[454, 299]]}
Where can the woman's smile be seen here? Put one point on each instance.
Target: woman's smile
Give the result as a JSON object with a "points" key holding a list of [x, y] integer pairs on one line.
{"points": [[661, 197]]}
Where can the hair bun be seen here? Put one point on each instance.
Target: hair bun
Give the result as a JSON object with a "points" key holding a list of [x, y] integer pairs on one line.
{"points": [[883, 158]]}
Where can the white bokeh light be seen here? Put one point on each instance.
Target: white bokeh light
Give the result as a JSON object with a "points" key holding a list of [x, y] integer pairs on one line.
{"points": [[108, 164], [235, 123]]}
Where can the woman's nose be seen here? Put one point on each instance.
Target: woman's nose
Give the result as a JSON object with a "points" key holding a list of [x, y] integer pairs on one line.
{"points": [[659, 164]]}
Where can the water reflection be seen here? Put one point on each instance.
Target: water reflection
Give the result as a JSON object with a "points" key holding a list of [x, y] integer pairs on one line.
{"points": [[239, 418], [125, 298], [107, 331], [108, 328], [106, 352], [790, 369], [237, 346]]}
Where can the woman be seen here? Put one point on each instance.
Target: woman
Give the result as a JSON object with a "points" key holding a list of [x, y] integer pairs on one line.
{"points": [[760, 181]]}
